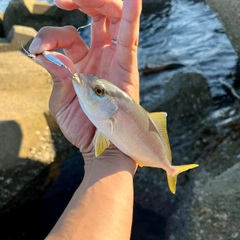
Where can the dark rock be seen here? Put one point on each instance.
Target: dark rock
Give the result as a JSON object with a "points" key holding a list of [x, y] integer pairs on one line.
{"points": [[164, 67], [147, 225], [70, 174], [150, 6], [185, 96], [186, 100], [39, 14], [2, 34], [37, 207], [10, 132], [212, 210]]}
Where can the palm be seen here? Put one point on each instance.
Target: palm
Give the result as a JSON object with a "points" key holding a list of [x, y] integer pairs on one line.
{"points": [[115, 63], [72, 119]]}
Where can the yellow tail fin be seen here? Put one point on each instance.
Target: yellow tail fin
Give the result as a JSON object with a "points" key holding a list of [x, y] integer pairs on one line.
{"points": [[172, 179]]}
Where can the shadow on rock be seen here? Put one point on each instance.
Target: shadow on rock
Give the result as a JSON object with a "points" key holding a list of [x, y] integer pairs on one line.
{"points": [[25, 203]]}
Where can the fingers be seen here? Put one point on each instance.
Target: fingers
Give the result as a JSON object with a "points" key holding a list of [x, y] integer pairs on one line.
{"points": [[67, 38], [105, 24], [57, 73], [66, 4], [63, 92], [94, 8], [129, 27], [100, 34], [128, 33], [100, 11]]}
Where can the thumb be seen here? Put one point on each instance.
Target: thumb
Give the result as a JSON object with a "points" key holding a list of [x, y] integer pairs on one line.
{"points": [[63, 92]]}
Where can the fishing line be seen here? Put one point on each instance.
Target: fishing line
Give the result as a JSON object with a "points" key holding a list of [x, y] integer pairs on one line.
{"points": [[89, 24]]}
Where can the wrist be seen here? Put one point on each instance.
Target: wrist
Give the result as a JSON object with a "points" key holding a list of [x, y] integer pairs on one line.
{"points": [[103, 202], [111, 161]]}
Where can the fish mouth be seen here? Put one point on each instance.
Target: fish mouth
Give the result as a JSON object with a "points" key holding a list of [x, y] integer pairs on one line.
{"points": [[76, 78]]}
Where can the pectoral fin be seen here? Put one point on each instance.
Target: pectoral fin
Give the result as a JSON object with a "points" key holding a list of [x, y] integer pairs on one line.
{"points": [[139, 164], [100, 143]]}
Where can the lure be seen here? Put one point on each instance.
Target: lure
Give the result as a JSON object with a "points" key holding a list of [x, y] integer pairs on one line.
{"points": [[52, 58]]}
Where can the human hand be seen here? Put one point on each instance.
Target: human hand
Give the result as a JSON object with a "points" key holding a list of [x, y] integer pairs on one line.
{"points": [[114, 62]]}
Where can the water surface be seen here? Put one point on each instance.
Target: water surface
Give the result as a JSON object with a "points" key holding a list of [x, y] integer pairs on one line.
{"points": [[189, 33], [185, 32]]}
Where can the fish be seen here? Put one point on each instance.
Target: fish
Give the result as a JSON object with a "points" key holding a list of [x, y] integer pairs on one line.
{"points": [[119, 119]]}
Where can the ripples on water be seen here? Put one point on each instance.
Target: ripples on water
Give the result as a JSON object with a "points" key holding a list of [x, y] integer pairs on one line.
{"points": [[189, 33], [186, 32]]}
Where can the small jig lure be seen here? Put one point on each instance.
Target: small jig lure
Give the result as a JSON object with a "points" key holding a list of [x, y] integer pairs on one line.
{"points": [[53, 59]]}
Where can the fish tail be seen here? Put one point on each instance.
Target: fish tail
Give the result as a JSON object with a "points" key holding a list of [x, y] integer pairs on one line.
{"points": [[172, 178]]}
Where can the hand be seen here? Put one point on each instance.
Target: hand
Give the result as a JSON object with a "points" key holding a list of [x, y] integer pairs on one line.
{"points": [[114, 62]]}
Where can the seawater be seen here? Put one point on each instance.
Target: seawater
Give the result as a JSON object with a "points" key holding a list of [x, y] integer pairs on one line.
{"points": [[189, 33]]}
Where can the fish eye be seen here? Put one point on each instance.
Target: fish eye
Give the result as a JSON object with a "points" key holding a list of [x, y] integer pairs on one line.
{"points": [[99, 90]]}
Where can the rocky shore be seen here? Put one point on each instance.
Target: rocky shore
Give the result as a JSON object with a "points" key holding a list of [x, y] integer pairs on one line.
{"points": [[40, 169]]}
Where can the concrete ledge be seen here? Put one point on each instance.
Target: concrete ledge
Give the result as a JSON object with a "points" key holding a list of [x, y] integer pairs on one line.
{"points": [[25, 138], [37, 7], [39, 14], [17, 37], [25, 88], [21, 74]]}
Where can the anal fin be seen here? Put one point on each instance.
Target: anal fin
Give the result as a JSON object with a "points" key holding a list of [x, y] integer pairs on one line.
{"points": [[139, 164]]}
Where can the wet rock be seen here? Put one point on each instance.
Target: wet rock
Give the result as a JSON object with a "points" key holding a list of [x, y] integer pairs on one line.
{"points": [[214, 213], [209, 137], [150, 6], [185, 96], [216, 207], [163, 67], [212, 210], [206, 203], [187, 100]]}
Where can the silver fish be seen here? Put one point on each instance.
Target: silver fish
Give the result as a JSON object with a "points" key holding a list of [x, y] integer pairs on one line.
{"points": [[119, 119]]}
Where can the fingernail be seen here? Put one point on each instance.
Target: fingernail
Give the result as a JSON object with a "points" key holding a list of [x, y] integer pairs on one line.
{"points": [[35, 45]]}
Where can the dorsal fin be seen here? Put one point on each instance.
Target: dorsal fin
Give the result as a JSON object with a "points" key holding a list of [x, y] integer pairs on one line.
{"points": [[100, 143], [159, 120]]}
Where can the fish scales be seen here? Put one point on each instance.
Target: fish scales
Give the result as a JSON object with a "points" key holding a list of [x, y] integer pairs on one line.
{"points": [[139, 134]]}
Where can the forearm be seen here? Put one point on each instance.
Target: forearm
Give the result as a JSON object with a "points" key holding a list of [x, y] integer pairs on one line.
{"points": [[101, 207]]}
